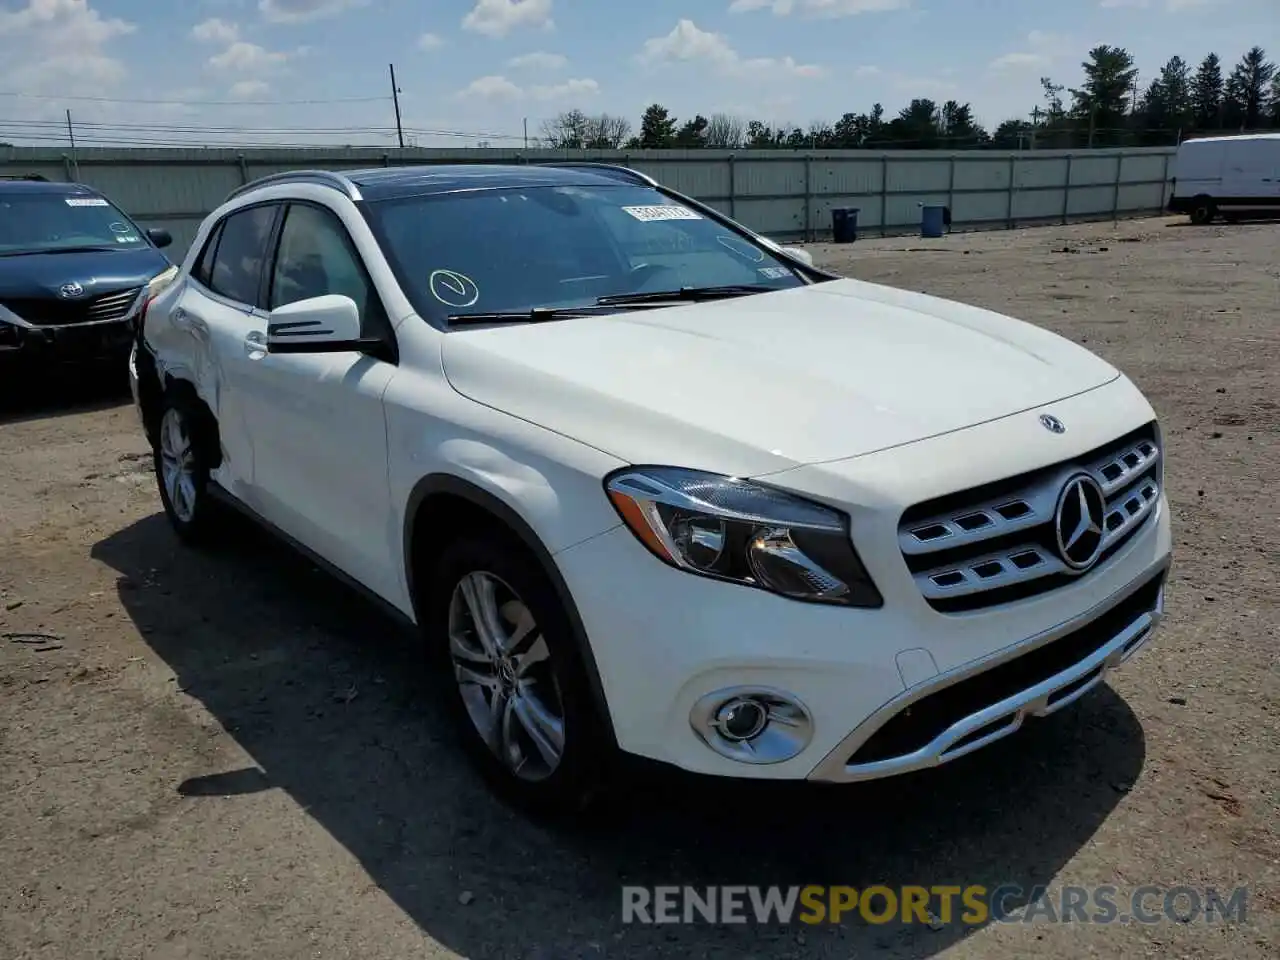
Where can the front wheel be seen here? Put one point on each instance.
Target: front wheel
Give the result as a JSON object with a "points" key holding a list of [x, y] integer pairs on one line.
{"points": [[517, 686]]}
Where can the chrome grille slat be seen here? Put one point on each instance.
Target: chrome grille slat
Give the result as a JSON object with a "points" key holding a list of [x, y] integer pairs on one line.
{"points": [[977, 543], [104, 308], [970, 573], [1134, 460], [112, 306]]}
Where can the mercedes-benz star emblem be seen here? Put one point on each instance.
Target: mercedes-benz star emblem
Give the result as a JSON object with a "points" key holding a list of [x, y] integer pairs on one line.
{"points": [[1078, 520], [70, 290], [1052, 423]]}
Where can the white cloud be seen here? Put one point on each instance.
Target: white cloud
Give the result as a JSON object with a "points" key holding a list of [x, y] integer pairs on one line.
{"points": [[248, 89], [819, 8], [430, 41], [244, 57], [1171, 5], [215, 30], [688, 43], [1040, 50], [493, 87], [498, 87], [538, 61], [576, 89], [61, 46], [71, 21], [299, 11], [497, 18]]}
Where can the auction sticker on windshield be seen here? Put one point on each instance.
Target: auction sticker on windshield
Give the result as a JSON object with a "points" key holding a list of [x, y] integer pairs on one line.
{"points": [[663, 212], [86, 202]]}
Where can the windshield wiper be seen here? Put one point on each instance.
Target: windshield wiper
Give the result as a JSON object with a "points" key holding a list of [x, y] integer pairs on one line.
{"points": [[687, 293], [535, 315], [32, 253]]}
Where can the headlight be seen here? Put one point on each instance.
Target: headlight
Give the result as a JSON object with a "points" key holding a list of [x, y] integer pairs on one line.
{"points": [[160, 281], [743, 532]]}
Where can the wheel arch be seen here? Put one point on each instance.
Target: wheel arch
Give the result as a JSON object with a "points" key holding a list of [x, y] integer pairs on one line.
{"points": [[454, 502], [209, 435]]}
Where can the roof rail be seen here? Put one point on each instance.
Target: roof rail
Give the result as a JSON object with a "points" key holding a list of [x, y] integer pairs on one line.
{"points": [[324, 178], [37, 177], [617, 169]]}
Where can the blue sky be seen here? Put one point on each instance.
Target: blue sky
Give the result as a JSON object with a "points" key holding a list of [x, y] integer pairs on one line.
{"points": [[484, 66]]}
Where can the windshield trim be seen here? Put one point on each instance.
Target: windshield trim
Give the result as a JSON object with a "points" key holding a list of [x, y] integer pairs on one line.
{"points": [[806, 274]]}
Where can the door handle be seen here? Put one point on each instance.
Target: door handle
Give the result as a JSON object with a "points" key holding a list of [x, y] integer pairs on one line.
{"points": [[255, 342]]}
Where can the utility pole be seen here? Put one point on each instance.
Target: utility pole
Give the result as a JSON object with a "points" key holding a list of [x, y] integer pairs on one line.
{"points": [[395, 98], [526, 133], [71, 135]]}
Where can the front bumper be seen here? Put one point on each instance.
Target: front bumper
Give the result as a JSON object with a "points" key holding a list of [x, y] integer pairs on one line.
{"points": [[667, 641], [28, 345]]}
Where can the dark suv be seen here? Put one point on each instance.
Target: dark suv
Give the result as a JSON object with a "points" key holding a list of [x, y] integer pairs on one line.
{"points": [[74, 274]]}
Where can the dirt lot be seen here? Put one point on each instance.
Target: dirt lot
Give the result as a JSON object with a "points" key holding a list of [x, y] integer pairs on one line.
{"points": [[224, 755]]}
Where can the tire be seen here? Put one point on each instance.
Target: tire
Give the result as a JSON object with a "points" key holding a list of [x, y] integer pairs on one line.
{"points": [[181, 459], [547, 753], [1203, 211]]}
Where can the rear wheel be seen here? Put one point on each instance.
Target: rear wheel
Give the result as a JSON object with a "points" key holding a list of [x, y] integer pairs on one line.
{"points": [[516, 684], [182, 467], [1203, 210]]}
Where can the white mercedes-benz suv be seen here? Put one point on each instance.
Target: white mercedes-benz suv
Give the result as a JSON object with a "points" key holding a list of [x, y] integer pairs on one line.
{"points": [[650, 484]]}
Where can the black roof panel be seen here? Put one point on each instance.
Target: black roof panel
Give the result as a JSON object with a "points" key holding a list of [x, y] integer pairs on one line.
{"points": [[381, 183]]}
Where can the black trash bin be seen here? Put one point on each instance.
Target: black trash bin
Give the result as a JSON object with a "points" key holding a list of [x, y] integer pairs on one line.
{"points": [[844, 224]]}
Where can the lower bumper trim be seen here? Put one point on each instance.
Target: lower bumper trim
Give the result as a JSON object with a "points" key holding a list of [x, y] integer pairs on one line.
{"points": [[981, 727]]}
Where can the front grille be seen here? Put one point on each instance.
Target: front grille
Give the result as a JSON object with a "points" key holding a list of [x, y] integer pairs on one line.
{"points": [[56, 312], [918, 724], [996, 543]]}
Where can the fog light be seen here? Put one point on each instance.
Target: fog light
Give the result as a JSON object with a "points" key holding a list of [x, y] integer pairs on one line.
{"points": [[752, 724], [741, 719]]}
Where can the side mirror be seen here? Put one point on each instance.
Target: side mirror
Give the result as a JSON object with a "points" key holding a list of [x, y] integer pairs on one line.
{"points": [[160, 237], [801, 254], [327, 324]]}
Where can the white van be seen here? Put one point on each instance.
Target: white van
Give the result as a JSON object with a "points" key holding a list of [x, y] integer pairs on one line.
{"points": [[1215, 174]]}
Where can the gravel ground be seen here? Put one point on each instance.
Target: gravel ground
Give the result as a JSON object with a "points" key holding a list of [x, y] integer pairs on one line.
{"points": [[224, 755]]}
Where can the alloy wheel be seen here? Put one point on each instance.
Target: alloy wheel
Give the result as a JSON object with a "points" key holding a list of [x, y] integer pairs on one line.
{"points": [[503, 669], [178, 465]]}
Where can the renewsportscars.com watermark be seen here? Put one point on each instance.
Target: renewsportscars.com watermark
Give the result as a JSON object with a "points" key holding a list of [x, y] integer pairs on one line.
{"points": [[936, 906]]}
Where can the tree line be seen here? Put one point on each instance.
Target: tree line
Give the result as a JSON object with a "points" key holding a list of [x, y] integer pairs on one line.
{"points": [[1108, 109]]}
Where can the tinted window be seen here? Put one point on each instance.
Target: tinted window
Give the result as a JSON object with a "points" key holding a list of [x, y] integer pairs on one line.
{"points": [[204, 267], [514, 249], [237, 264], [40, 221], [316, 257]]}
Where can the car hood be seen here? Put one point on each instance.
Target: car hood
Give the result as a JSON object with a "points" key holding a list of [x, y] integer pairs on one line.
{"points": [[37, 275], [762, 383]]}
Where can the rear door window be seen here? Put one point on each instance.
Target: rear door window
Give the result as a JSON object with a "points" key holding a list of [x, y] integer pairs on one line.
{"points": [[241, 254]]}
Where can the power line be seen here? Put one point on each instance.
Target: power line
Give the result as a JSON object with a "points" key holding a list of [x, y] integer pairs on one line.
{"points": [[195, 103], [90, 133]]}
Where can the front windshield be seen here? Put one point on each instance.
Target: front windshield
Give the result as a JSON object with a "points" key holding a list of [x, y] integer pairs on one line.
{"points": [[48, 222], [516, 249]]}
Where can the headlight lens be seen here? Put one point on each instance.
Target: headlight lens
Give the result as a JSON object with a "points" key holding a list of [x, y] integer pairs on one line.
{"points": [[743, 532], [160, 281]]}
